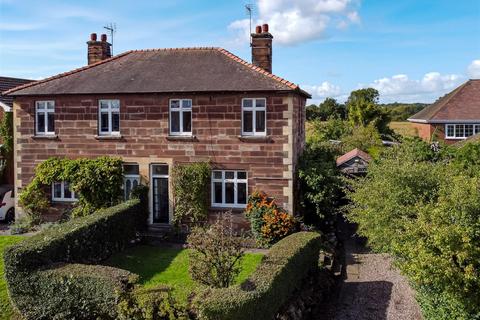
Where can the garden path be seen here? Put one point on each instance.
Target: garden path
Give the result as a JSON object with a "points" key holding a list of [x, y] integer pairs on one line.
{"points": [[372, 288]]}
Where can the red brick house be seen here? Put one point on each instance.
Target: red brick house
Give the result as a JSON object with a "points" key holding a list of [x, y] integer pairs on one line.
{"points": [[454, 117], [157, 108], [6, 104]]}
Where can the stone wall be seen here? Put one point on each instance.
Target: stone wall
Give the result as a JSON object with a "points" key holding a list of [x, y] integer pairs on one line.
{"points": [[216, 125]]}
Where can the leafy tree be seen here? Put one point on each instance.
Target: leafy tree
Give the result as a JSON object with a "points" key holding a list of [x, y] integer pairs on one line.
{"points": [[422, 207], [365, 138], [320, 183], [363, 109], [328, 109], [323, 131]]}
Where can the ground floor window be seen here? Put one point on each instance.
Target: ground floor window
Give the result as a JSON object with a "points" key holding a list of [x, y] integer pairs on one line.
{"points": [[131, 179], [229, 188], [461, 130], [61, 192]]}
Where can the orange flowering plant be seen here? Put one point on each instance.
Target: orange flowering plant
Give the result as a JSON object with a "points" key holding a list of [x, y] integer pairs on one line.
{"points": [[268, 222]]}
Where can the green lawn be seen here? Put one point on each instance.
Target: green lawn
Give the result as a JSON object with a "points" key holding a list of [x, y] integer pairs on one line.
{"points": [[157, 265], [5, 309]]}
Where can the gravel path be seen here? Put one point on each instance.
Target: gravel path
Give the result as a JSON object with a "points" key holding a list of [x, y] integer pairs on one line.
{"points": [[372, 289]]}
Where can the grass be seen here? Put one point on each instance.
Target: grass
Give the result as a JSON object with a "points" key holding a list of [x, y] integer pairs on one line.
{"points": [[5, 308], [169, 266], [404, 128]]}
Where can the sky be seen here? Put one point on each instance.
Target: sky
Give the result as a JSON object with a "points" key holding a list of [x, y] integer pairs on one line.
{"points": [[409, 50]]}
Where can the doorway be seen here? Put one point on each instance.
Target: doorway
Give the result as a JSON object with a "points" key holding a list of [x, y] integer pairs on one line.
{"points": [[159, 193]]}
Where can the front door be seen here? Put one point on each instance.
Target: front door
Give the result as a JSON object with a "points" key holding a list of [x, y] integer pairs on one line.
{"points": [[160, 206]]}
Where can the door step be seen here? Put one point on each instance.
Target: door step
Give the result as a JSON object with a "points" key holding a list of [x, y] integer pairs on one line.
{"points": [[157, 232]]}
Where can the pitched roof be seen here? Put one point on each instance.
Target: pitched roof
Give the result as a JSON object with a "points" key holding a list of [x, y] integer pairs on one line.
{"points": [[162, 70], [7, 83], [462, 104], [353, 154]]}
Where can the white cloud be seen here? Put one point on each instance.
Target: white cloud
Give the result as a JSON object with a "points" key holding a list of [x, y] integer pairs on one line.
{"points": [[323, 90], [403, 89], [473, 70], [293, 22]]}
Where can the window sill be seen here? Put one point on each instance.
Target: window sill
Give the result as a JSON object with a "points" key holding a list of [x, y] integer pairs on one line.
{"points": [[45, 137], [232, 209], [255, 138], [182, 138], [116, 137]]}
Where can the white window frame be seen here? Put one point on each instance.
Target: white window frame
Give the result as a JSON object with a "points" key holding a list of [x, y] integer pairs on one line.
{"points": [[45, 110], [476, 130], [235, 182], [254, 110], [110, 110], [132, 178], [62, 197], [181, 110]]}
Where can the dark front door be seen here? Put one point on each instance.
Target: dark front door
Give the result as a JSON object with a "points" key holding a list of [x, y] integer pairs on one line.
{"points": [[160, 200]]}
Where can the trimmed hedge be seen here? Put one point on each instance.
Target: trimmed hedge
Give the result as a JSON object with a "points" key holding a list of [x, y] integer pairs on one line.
{"points": [[279, 274], [41, 286]]}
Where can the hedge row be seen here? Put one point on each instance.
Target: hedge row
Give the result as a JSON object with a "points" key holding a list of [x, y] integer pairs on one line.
{"points": [[279, 274], [43, 286]]}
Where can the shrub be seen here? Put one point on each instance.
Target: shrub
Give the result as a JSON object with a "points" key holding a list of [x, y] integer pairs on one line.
{"points": [[216, 254], [97, 182], [281, 272], [190, 183], [88, 239], [73, 291], [155, 303], [268, 222], [277, 225], [423, 210]]}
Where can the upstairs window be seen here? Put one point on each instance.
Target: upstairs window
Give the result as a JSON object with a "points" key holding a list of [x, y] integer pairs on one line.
{"points": [[181, 117], [461, 131], [109, 117], [131, 179], [229, 189], [45, 118], [61, 192], [254, 117]]}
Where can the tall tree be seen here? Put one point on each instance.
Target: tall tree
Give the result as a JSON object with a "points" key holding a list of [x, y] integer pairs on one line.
{"points": [[363, 110]]}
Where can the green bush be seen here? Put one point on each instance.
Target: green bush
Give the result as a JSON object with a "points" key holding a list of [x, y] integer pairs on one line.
{"points": [[190, 184], [73, 291], [278, 275], [97, 183], [38, 286], [155, 303], [423, 210]]}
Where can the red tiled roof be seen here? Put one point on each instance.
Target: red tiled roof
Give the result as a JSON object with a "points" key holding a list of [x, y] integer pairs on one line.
{"points": [[352, 154], [462, 104], [162, 70], [7, 83]]}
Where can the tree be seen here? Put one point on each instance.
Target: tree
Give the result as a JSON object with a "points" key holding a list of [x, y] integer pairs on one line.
{"points": [[312, 112], [363, 109], [422, 207], [365, 138], [328, 109], [320, 183]]}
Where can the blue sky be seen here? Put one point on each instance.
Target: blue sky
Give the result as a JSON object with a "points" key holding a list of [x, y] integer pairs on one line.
{"points": [[410, 50]]}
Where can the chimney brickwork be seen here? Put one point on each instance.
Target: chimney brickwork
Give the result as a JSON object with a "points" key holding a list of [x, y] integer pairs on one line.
{"points": [[262, 48], [98, 50]]}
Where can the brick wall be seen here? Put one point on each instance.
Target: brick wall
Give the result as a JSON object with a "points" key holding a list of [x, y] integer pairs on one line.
{"points": [[216, 123], [426, 130]]}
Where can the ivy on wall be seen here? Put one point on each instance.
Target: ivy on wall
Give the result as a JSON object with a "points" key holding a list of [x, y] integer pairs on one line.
{"points": [[190, 185], [97, 182]]}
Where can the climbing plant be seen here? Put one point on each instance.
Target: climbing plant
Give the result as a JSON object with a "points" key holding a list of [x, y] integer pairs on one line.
{"points": [[97, 182], [6, 135], [190, 184]]}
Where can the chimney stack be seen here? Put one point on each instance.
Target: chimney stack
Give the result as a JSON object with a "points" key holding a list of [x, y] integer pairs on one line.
{"points": [[98, 50], [262, 48]]}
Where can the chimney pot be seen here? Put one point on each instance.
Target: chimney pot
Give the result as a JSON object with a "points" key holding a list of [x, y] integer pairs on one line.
{"points": [[98, 50], [262, 48]]}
